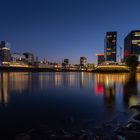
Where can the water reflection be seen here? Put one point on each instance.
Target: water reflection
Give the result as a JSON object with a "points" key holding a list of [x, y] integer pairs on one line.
{"points": [[123, 86], [32, 99], [19, 82], [130, 89], [86, 79], [4, 88], [111, 85]]}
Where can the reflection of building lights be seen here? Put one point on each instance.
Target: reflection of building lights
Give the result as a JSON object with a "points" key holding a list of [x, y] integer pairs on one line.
{"points": [[138, 76], [110, 93], [133, 100], [4, 94], [109, 79], [82, 79], [72, 80], [99, 89], [19, 81]]}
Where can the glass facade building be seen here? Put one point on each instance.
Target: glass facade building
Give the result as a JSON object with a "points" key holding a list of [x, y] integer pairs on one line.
{"points": [[110, 46], [132, 44], [5, 55]]}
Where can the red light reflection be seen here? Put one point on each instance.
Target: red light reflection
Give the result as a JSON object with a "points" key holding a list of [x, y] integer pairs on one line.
{"points": [[99, 89]]}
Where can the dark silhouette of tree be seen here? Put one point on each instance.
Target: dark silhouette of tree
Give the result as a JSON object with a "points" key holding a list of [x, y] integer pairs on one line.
{"points": [[132, 62]]}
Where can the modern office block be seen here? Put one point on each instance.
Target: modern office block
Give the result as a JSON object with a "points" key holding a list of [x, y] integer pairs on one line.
{"points": [[110, 46]]}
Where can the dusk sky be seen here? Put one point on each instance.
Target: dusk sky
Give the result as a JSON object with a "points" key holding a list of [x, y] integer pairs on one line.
{"points": [[58, 29]]}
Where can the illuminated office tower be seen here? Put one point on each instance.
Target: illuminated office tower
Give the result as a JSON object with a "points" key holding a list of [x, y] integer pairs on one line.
{"points": [[110, 46], [5, 55], [132, 44]]}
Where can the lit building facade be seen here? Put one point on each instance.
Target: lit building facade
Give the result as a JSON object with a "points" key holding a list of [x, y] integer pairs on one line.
{"points": [[17, 57], [110, 46], [100, 58], [132, 44], [5, 86], [83, 61], [29, 57], [5, 55]]}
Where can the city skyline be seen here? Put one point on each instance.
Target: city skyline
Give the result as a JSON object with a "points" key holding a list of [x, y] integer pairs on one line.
{"points": [[56, 30]]}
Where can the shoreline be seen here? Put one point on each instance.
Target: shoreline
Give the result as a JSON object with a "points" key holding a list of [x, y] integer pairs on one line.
{"points": [[35, 69]]}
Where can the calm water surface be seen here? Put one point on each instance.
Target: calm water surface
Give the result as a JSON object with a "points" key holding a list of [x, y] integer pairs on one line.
{"points": [[28, 100]]}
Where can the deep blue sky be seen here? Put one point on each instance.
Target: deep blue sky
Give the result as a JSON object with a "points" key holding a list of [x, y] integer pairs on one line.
{"points": [[58, 29]]}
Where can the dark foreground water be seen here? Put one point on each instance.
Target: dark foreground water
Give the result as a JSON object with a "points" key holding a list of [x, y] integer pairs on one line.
{"points": [[67, 101]]}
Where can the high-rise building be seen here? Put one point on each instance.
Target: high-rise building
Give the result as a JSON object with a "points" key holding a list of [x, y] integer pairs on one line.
{"points": [[83, 61], [101, 58], [110, 46], [132, 44], [5, 55]]}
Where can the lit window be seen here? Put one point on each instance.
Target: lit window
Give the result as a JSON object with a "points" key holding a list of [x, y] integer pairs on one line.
{"points": [[108, 53], [108, 49], [108, 36], [137, 34], [113, 41], [135, 42]]}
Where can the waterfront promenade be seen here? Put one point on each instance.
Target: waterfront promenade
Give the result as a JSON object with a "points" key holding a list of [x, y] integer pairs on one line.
{"points": [[100, 68]]}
